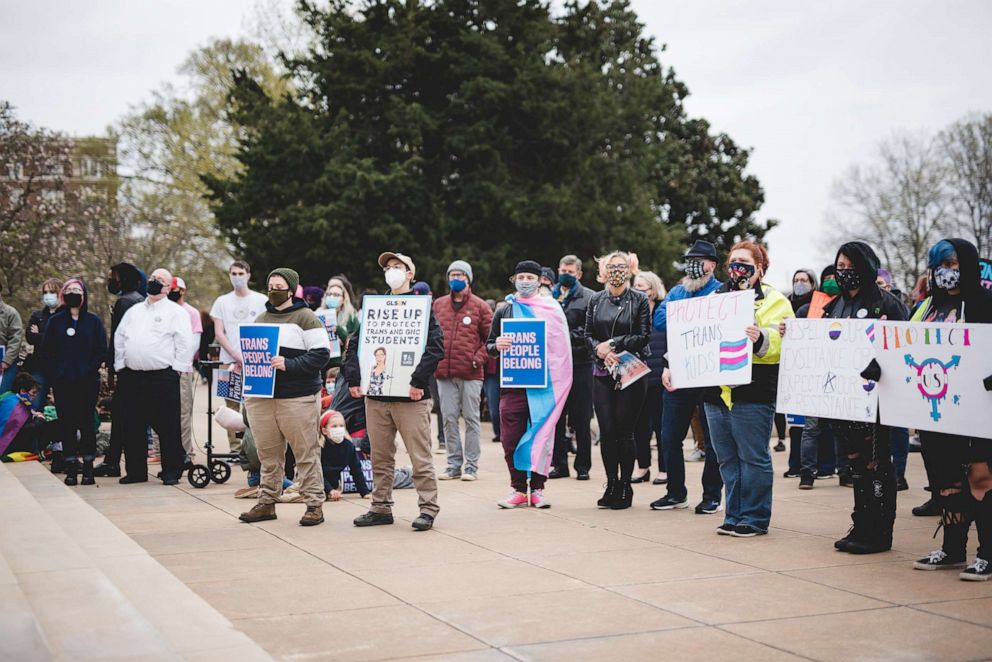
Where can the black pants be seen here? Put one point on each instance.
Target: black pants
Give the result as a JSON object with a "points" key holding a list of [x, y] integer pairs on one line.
{"points": [[948, 459], [578, 411], [617, 413], [870, 442], [113, 456], [780, 426], [649, 424], [150, 398], [75, 402]]}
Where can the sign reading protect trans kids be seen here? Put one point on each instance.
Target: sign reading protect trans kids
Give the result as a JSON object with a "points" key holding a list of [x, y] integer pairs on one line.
{"points": [[524, 364]]}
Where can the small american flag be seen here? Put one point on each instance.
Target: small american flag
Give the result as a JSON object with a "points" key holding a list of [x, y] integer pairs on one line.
{"points": [[227, 384]]}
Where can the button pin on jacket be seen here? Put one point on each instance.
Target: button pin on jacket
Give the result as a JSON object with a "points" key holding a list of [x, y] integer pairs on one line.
{"points": [[466, 320]]}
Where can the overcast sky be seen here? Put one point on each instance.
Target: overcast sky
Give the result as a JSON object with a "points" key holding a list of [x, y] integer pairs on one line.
{"points": [[810, 87]]}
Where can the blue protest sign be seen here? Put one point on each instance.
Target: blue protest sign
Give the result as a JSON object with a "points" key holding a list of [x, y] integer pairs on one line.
{"points": [[524, 364], [259, 343]]}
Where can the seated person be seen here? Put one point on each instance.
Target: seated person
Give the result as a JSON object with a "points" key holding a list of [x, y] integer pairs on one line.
{"points": [[337, 452], [22, 430]]}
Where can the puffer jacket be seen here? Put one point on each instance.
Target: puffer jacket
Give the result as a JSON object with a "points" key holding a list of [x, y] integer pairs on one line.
{"points": [[625, 319], [465, 331]]}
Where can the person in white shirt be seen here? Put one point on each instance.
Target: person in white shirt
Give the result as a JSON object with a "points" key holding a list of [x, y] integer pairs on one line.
{"points": [[188, 379], [229, 312], [152, 346]]}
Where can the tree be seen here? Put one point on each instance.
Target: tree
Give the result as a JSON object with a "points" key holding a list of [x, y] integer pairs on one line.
{"points": [[483, 130], [967, 149]]}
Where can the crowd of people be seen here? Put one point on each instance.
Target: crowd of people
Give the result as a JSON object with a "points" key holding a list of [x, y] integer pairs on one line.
{"points": [[322, 419]]}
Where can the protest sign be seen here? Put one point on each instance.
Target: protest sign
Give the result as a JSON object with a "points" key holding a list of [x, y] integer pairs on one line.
{"points": [[228, 384], [392, 341], [819, 370], [707, 345], [524, 364], [330, 321], [259, 343], [985, 273], [932, 376], [629, 369]]}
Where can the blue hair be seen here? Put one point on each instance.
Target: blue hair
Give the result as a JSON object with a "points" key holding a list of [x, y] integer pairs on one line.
{"points": [[942, 250]]}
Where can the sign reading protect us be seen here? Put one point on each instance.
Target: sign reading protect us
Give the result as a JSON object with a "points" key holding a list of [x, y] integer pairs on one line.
{"points": [[259, 343], [524, 364]]}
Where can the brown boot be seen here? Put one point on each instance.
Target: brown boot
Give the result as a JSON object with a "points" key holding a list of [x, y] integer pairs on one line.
{"points": [[313, 516], [259, 513]]}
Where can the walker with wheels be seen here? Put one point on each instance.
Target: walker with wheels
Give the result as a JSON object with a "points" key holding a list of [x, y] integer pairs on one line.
{"points": [[217, 468]]}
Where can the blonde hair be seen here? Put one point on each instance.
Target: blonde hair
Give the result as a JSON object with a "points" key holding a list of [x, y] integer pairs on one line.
{"points": [[347, 308], [655, 282], [629, 258]]}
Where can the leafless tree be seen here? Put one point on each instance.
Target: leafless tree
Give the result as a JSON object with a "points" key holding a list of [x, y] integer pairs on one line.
{"points": [[967, 149]]}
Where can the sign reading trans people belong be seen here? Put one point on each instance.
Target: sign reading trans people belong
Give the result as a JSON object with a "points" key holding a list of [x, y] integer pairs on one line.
{"points": [[524, 364], [259, 343], [932, 376], [819, 371], [707, 345]]}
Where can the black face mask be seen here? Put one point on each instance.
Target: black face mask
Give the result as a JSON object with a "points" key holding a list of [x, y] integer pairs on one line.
{"points": [[848, 279], [73, 299], [114, 287], [155, 287], [175, 295]]}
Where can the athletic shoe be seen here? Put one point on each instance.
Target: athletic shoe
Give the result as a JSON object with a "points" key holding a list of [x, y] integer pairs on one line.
{"points": [[979, 571], [469, 476], [697, 456], [791, 473], [514, 500], [746, 531], [537, 499], [825, 476], [927, 509], [669, 503], [708, 507], [806, 480], [780, 446], [901, 484], [447, 475], [939, 560], [725, 530]]}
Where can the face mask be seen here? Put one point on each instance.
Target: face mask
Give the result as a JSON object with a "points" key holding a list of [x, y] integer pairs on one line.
{"points": [[278, 297], [395, 277], [329, 387], [175, 295], [49, 300], [239, 282], [946, 279], [848, 279], [740, 274], [457, 285], [695, 269], [114, 287], [830, 287], [567, 281], [313, 305], [73, 299], [335, 434], [801, 289], [155, 287], [332, 302], [617, 275], [526, 288]]}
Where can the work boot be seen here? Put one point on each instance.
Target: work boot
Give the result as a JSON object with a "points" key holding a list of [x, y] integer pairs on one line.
{"points": [[881, 513], [372, 518], [313, 516], [259, 513], [88, 471], [71, 469], [610, 495]]}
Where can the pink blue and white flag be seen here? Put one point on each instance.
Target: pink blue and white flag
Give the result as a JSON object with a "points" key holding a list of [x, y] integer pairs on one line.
{"points": [[733, 354]]}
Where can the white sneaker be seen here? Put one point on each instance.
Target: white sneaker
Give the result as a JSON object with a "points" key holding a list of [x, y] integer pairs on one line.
{"points": [[697, 456], [447, 475], [537, 499], [469, 476], [515, 500]]}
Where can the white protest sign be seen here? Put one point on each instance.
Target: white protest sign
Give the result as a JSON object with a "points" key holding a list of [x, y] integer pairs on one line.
{"points": [[707, 345], [819, 371], [932, 376], [393, 339]]}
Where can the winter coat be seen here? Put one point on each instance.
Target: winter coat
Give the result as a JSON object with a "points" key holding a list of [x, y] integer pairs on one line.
{"points": [[465, 331], [626, 320], [575, 313], [976, 300], [72, 350]]}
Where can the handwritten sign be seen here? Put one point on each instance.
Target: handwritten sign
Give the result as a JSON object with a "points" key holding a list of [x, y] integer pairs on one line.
{"points": [[524, 364], [932, 376], [392, 342], [259, 343], [819, 371], [707, 345]]}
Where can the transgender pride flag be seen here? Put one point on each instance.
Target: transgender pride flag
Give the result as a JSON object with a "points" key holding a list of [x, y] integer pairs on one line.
{"points": [[733, 355]]}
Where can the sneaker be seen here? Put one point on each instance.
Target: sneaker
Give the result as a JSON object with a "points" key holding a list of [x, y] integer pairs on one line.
{"points": [[247, 493], [979, 571], [371, 518], [537, 499], [668, 502], [806, 480], [780, 446], [313, 516], [708, 507], [468, 476], [819, 476], [725, 530], [846, 480], [746, 531], [424, 522], [939, 560], [449, 475], [927, 509], [515, 500], [259, 513], [791, 473], [697, 456], [901, 484]]}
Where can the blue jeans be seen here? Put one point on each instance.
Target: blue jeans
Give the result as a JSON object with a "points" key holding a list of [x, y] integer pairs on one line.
{"points": [[490, 386], [676, 417], [740, 437], [899, 440], [817, 436], [7, 378], [39, 401]]}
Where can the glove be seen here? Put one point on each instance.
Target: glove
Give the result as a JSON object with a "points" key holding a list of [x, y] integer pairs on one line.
{"points": [[873, 372]]}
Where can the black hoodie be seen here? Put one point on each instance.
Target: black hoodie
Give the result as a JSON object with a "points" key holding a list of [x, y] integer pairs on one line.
{"points": [[73, 350], [977, 300], [875, 302]]}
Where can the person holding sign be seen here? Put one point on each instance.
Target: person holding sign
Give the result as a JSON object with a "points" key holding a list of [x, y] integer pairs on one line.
{"points": [[866, 444], [409, 413], [956, 296], [740, 418], [337, 312], [529, 416], [618, 320]]}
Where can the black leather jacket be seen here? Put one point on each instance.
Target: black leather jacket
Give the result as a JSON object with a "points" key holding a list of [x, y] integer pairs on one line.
{"points": [[625, 319]]}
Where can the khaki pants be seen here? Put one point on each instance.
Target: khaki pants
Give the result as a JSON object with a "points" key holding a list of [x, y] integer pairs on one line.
{"points": [[413, 421], [277, 421], [186, 383]]}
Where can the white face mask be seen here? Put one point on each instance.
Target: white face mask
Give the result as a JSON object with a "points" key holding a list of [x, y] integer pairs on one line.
{"points": [[239, 282], [335, 434], [395, 277]]}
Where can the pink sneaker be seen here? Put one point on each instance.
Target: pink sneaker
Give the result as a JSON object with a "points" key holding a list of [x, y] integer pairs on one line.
{"points": [[537, 499], [514, 500]]}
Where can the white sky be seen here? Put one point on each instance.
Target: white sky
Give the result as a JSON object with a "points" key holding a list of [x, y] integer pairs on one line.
{"points": [[809, 86]]}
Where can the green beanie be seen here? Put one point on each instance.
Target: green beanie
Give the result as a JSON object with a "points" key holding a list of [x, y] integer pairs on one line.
{"points": [[289, 275]]}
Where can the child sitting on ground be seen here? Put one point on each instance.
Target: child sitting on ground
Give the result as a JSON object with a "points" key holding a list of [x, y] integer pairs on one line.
{"points": [[337, 452]]}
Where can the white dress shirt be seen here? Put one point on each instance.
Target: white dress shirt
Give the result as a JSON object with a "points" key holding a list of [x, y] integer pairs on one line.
{"points": [[154, 336]]}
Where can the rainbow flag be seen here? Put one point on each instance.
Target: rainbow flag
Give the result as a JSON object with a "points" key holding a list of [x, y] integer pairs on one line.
{"points": [[733, 355], [15, 411], [534, 450]]}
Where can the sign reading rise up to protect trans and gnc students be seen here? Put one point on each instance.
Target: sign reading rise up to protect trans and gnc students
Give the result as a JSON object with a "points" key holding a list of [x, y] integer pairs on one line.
{"points": [[820, 369], [259, 343], [524, 364], [932, 376], [392, 342], [707, 345]]}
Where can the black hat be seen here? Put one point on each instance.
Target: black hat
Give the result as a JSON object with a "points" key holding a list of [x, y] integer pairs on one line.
{"points": [[550, 274], [703, 249], [527, 267]]}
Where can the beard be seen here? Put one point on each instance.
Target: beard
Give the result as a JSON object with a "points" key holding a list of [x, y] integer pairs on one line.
{"points": [[695, 284]]}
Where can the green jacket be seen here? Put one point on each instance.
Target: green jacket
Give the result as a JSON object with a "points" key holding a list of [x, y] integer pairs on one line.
{"points": [[11, 333]]}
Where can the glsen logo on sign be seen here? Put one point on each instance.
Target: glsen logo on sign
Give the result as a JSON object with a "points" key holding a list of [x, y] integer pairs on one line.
{"points": [[524, 364]]}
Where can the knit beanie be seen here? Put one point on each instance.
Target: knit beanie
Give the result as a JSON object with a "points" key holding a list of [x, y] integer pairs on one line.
{"points": [[463, 266], [288, 274]]}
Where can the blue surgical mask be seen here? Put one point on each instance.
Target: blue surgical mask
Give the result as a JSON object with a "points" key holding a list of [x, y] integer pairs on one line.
{"points": [[566, 280], [50, 299], [332, 302], [457, 285]]}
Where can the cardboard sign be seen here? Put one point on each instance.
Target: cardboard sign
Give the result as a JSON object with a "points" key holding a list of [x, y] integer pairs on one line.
{"points": [[392, 342], [985, 273], [525, 363], [330, 321], [228, 384], [259, 343], [819, 372], [707, 345]]}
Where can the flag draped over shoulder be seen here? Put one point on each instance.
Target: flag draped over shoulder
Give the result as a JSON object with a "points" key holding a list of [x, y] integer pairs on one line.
{"points": [[14, 413], [536, 446]]}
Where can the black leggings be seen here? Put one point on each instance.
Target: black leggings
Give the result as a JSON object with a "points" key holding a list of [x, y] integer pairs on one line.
{"points": [[617, 413], [75, 403], [948, 460]]}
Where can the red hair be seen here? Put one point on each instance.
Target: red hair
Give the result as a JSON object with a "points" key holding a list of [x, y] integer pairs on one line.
{"points": [[757, 251]]}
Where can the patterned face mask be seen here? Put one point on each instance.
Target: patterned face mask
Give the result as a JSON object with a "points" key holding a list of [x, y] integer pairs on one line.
{"points": [[617, 275], [946, 278], [740, 274], [695, 269], [848, 279]]}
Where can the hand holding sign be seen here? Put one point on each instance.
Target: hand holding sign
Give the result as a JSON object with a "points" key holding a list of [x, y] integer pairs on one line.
{"points": [[523, 364], [259, 351]]}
